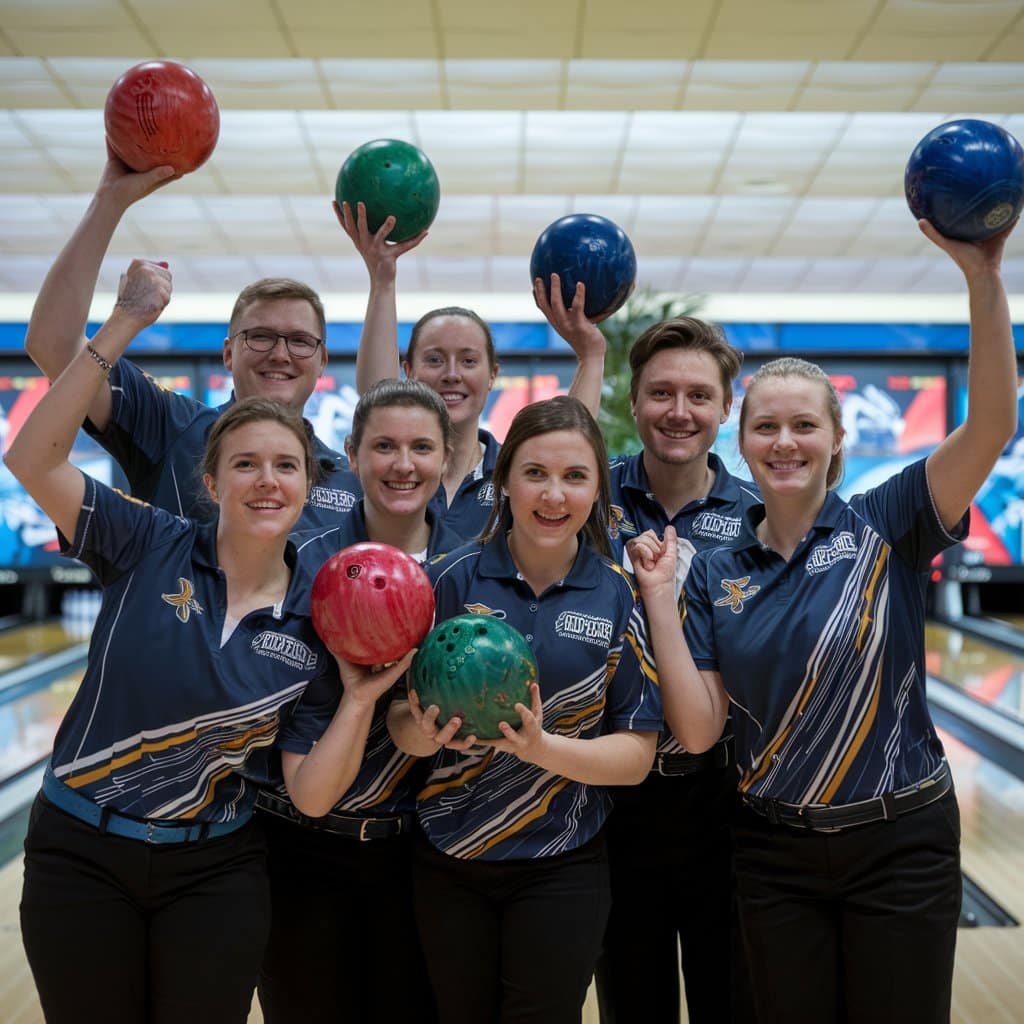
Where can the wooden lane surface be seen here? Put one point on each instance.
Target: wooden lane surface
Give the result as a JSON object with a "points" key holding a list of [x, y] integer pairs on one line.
{"points": [[988, 673], [23, 642]]}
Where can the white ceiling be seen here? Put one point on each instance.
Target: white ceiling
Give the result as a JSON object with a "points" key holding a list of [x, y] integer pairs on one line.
{"points": [[750, 148]]}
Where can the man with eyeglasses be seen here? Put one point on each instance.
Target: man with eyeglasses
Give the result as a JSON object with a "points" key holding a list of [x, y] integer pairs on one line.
{"points": [[275, 348]]}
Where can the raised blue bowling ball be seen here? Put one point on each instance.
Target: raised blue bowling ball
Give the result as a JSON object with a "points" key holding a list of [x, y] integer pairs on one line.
{"points": [[592, 249], [967, 178]]}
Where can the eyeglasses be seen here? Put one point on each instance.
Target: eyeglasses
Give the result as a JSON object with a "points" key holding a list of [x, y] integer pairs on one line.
{"points": [[262, 339]]}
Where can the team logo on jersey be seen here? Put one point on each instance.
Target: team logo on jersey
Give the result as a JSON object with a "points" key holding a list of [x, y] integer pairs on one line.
{"points": [[618, 523], [715, 526], [482, 609], [735, 595], [284, 648], [183, 602], [824, 556], [485, 495], [592, 629], [332, 499]]}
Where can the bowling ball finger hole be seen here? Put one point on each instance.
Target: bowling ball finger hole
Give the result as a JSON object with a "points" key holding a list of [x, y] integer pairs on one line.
{"points": [[380, 583]]}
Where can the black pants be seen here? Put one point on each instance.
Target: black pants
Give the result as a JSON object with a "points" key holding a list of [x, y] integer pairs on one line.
{"points": [[343, 944], [853, 927], [670, 854], [512, 940], [125, 932]]}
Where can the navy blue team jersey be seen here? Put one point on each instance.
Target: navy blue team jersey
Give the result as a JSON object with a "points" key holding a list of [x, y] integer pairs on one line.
{"points": [[158, 437], [470, 508], [387, 779], [707, 522], [167, 722], [597, 676], [823, 656]]}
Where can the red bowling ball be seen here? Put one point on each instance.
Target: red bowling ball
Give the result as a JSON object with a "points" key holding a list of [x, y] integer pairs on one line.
{"points": [[371, 603], [161, 112]]}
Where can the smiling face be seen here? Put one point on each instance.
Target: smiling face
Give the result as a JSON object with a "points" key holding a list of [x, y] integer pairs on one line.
{"points": [[788, 436], [275, 374], [679, 405], [451, 357], [552, 485], [400, 458], [260, 484]]}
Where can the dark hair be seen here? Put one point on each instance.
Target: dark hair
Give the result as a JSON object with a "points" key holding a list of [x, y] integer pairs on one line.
{"points": [[260, 410], [452, 311], [789, 366], [272, 289], [559, 413], [391, 392], [689, 333]]}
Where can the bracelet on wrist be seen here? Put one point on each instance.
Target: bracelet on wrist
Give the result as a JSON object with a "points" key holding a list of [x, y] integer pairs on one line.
{"points": [[104, 364]]}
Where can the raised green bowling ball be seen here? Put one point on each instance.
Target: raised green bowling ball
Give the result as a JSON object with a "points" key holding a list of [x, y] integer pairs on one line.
{"points": [[391, 178], [475, 667]]}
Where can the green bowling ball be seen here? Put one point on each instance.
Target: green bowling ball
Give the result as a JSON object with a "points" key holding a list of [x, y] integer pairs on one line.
{"points": [[478, 668], [391, 178]]}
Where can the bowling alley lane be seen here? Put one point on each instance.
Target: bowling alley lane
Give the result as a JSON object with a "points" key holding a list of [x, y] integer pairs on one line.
{"points": [[990, 674], [24, 643]]}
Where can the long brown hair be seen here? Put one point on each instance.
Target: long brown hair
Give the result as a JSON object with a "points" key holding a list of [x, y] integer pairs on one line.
{"points": [[559, 413]]}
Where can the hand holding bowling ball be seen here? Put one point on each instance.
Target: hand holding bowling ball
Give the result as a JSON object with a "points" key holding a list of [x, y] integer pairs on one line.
{"points": [[476, 668], [390, 178], [371, 603], [588, 248], [967, 178], [161, 112]]}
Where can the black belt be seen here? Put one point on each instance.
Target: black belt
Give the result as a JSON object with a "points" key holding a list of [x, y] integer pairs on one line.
{"points": [[350, 825], [719, 756], [146, 830], [824, 818]]}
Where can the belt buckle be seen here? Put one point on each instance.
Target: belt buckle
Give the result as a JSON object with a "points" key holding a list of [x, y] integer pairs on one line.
{"points": [[363, 825], [150, 830]]}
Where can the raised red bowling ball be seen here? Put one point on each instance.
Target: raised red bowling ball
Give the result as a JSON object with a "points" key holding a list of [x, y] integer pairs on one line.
{"points": [[371, 603], [161, 112]]}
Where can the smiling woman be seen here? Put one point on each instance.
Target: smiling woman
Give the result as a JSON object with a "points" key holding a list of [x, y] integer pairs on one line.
{"points": [[204, 645], [811, 624], [514, 851]]}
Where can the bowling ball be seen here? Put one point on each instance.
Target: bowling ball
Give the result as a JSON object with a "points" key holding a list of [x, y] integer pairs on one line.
{"points": [[391, 178], [161, 112], [371, 603], [478, 668], [967, 178], [588, 248]]}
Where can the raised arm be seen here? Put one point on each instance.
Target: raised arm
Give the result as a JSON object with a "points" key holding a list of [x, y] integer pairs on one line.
{"points": [[377, 356], [694, 701], [584, 338], [959, 466], [56, 329], [38, 457]]}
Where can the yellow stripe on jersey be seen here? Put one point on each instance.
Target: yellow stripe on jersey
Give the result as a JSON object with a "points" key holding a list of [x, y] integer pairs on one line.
{"points": [[520, 823], [473, 769]]}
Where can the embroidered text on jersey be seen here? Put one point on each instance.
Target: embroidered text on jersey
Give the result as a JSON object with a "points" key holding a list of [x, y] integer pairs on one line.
{"points": [[285, 648], [824, 556], [577, 626], [715, 526], [735, 595], [183, 602], [331, 498]]}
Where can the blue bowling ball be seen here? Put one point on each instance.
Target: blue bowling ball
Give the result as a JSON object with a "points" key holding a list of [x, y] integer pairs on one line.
{"points": [[588, 248], [967, 178]]}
